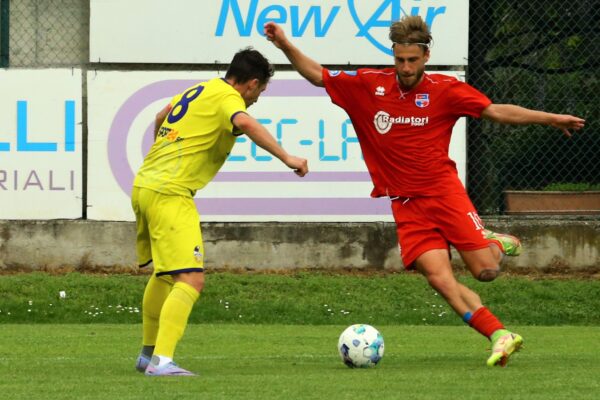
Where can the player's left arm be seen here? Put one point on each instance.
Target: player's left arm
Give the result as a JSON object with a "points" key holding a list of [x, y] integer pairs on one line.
{"points": [[160, 118], [261, 136], [516, 115]]}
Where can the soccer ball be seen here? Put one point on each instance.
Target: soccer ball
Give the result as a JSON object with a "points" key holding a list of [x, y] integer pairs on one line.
{"points": [[360, 346]]}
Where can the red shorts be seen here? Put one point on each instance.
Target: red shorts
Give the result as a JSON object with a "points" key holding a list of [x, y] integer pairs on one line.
{"points": [[428, 223]]}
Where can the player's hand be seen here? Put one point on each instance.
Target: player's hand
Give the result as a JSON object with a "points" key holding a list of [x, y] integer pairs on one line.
{"points": [[566, 123], [299, 165], [275, 34]]}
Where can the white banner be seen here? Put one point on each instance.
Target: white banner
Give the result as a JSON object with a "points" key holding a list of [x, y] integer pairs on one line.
{"points": [[40, 144], [252, 185], [331, 32]]}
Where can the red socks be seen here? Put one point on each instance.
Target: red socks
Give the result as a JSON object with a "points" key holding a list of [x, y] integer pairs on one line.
{"points": [[484, 322]]}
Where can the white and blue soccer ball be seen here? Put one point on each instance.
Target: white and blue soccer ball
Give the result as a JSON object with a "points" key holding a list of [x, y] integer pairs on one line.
{"points": [[361, 346]]}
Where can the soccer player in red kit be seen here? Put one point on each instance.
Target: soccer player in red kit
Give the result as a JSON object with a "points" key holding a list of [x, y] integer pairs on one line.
{"points": [[403, 118]]}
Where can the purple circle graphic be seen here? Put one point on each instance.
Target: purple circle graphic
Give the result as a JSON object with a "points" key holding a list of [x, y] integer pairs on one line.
{"points": [[119, 129], [141, 99], [137, 102]]}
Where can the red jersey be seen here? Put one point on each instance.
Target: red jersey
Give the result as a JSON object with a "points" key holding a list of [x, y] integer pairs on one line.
{"points": [[405, 136]]}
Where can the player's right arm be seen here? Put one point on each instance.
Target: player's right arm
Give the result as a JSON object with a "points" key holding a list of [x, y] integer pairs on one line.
{"points": [[306, 66], [160, 118], [259, 135]]}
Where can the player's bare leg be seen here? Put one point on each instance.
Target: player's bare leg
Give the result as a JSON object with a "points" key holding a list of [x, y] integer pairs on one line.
{"points": [[436, 268], [484, 265]]}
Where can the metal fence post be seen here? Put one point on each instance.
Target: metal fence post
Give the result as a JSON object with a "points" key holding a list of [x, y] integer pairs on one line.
{"points": [[4, 32]]}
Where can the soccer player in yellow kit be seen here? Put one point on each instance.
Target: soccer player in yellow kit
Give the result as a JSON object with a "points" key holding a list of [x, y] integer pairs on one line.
{"points": [[194, 135]]}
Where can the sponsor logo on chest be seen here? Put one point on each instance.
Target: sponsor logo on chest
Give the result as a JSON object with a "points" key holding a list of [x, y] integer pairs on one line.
{"points": [[383, 121]]}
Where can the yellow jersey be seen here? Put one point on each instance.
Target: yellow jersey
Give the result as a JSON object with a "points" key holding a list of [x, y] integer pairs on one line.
{"points": [[194, 140]]}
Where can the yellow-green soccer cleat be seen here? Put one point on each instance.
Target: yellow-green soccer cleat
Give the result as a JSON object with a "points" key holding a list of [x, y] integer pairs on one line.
{"points": [[503, 348], [509, 245]]}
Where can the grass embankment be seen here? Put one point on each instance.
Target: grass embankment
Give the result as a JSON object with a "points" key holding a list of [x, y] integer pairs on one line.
{"points": [[309, 298]]}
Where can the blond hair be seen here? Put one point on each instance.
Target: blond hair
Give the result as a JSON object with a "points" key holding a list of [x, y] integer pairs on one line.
{"points": [[410, 30]]}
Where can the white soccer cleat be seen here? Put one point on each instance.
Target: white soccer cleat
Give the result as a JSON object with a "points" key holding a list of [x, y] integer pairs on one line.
{"points": [[169, 369]]}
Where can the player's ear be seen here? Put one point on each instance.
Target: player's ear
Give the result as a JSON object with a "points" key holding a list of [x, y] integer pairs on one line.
{"points": [[427, 55], [253, 84]]}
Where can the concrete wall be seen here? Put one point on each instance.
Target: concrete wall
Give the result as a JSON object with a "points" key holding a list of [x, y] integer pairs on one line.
{"points": [[566, 243]]}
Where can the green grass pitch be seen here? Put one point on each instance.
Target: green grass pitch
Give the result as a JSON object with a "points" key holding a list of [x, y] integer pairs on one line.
{"points": [[235, 361], [274, 336]]}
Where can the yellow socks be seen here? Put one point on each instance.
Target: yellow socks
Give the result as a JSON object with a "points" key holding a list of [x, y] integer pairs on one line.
{"points": [[155, 295], [173, 318]]}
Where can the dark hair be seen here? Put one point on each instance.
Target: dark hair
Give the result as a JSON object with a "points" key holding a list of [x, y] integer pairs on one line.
{"points": [[248, 64]]}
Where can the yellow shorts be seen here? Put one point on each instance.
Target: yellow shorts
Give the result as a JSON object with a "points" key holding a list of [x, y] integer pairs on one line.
{"points": [[168, 232]]}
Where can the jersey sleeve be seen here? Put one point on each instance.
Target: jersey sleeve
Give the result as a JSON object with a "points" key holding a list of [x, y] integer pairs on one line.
{"points": [[465, 100], [231, 106], [342, 86]]}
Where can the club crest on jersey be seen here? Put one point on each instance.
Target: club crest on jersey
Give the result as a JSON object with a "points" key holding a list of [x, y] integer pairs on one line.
{"points": [[422, 100]]}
